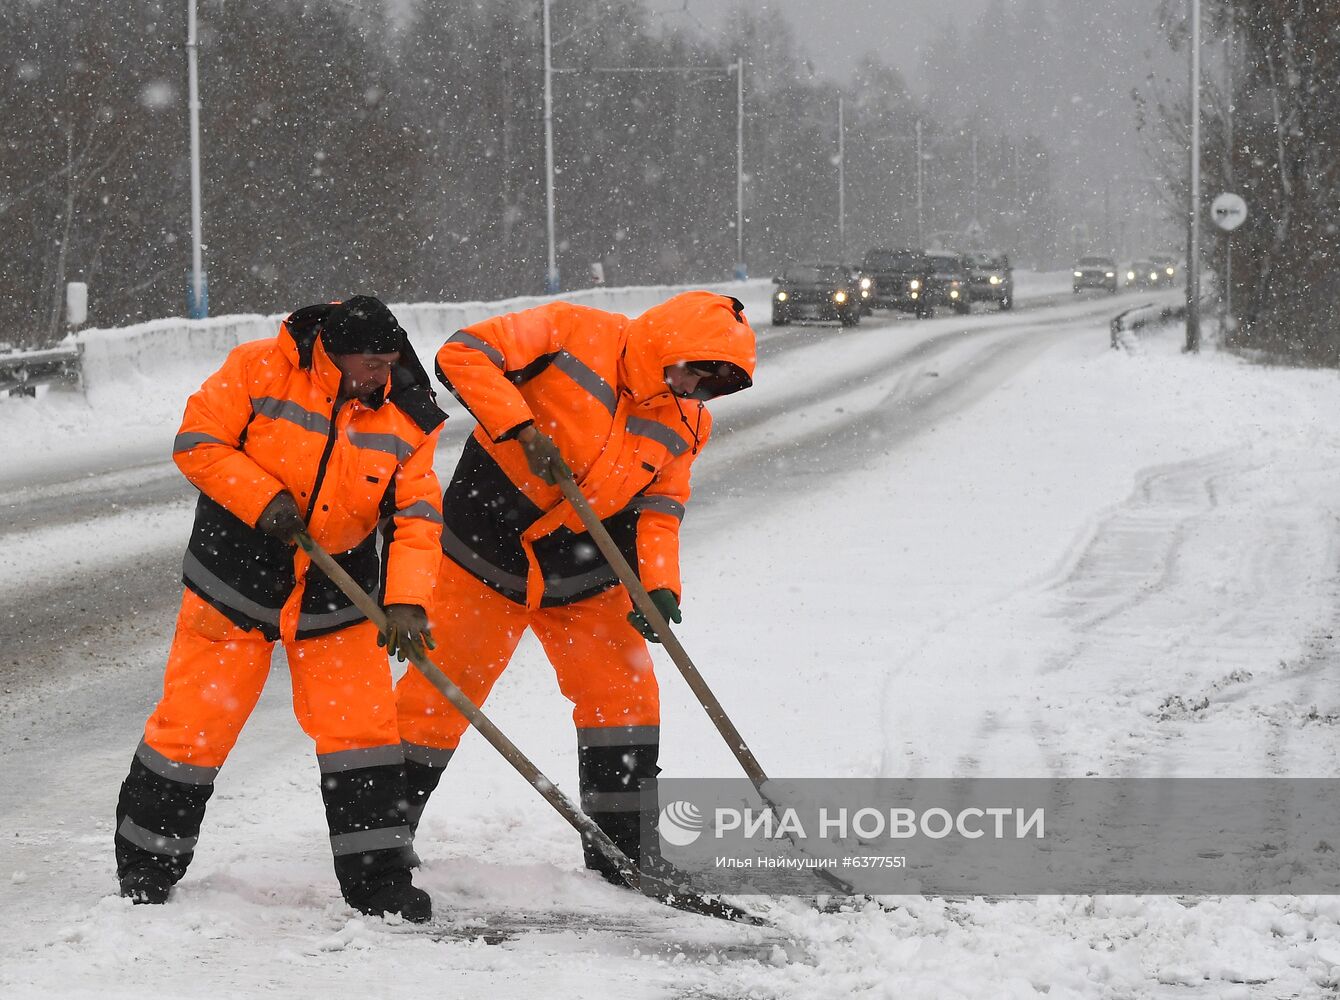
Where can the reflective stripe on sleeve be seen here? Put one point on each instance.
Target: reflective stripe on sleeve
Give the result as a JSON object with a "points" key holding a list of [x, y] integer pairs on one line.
{"points": [[581, 373], [165, 767], [486, 349], [661, 504], [659, 433], [422, 510], [156, 843], [185, 442]]}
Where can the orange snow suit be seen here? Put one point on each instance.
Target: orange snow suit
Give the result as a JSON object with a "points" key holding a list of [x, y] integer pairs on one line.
{"points": [[362, 475], [517, 553]]}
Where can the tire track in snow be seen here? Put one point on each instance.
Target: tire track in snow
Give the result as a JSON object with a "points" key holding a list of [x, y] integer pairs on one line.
{"points": [[1179, 611]]}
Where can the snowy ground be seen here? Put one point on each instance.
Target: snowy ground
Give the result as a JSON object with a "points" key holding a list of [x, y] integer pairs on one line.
{"points": [[985, 546]]}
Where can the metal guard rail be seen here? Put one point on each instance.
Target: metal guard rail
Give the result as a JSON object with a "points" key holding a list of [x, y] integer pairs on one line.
{"points": [[22, 372], [1138, 317]]}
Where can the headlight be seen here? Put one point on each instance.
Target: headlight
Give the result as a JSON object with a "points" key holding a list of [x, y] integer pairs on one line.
{"points": [[865, 293], [1111, 274], [781, 296], [1130, 275], [1153, 276], [954, 294], [839, 297], [914, 284], [1170, 272], [995, 279], [865, 282], [1079, 274], [914, 295]]}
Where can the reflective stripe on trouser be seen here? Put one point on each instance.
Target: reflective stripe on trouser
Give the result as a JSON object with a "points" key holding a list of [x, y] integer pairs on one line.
{"points": [[342, 696], [601, 662], [370, 833], [617, 771]]}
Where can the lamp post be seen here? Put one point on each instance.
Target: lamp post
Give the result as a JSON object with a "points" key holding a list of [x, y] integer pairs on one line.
{"points": [[198, 306], [1193, 213], [921, 181], [842, 181], [551, 269]]}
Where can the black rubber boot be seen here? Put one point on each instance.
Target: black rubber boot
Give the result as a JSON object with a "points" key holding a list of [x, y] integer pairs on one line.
{"points": [[158, 823], [420, 782], [147, 884], [617, 781], [394, 893], [370, 836]]}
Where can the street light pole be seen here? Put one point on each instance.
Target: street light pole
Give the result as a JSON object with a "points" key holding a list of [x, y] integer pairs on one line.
{"points": [[198, 307], [976, 203], [921, 228], [1228, 166], [551, 270], [741, 268], [842, 182], [1193, 214]]}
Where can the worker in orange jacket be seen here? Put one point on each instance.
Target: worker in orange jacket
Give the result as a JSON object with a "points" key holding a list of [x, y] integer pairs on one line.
{"points": [[329, 428], [621, 402]]}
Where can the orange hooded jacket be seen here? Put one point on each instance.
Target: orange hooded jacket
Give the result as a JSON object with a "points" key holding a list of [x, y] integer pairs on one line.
{"points": [[266, 421], [594, 382]]}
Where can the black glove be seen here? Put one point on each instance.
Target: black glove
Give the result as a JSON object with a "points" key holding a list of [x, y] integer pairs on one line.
{"points": [[668, 607], [406, 627], [281, 518], [542, 455]]}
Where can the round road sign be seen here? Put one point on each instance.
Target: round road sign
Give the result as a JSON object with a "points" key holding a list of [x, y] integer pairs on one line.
{"points": [[1228, 211]]}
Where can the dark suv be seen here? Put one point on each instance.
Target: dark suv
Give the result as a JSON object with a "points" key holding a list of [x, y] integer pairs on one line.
{"points": [[898, 280], [817, 291], [1095, 272], [992, 279], [950, 281]]}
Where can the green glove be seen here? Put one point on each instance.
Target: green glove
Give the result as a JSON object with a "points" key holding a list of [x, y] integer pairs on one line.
{"points": [[666, 604], [406, 627]]}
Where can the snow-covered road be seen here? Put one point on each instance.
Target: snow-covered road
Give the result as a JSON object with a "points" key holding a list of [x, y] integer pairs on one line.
{"points": [[983, 545]]}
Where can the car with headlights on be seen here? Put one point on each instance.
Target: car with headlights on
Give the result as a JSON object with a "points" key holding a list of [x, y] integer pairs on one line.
{"points": [[950, 281], [992, 279], [1095, 272], [1166, 265], [1142, 274], [818, 291], [864, 285], [899, 279]]}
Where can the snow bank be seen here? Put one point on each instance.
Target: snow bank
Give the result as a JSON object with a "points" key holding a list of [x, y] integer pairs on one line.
{"points": [[191, 349]]}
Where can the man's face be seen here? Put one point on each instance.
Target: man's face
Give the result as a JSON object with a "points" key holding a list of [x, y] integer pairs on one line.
{"points": [[363, 373], [684, 378]]}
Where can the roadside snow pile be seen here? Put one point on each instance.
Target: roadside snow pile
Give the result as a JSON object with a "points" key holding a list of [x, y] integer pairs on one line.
{"points": [[136, 379]]}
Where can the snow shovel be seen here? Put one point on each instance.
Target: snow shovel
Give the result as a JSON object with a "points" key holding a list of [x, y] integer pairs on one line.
{"points": [[583, 824], [643, 602]]}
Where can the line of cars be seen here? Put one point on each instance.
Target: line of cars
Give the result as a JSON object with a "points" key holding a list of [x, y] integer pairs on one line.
{"points": [[1155, 271], [912, 281]]}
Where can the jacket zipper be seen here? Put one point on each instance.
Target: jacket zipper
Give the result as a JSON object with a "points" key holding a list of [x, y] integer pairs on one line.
{"points": [[325, 459]]}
